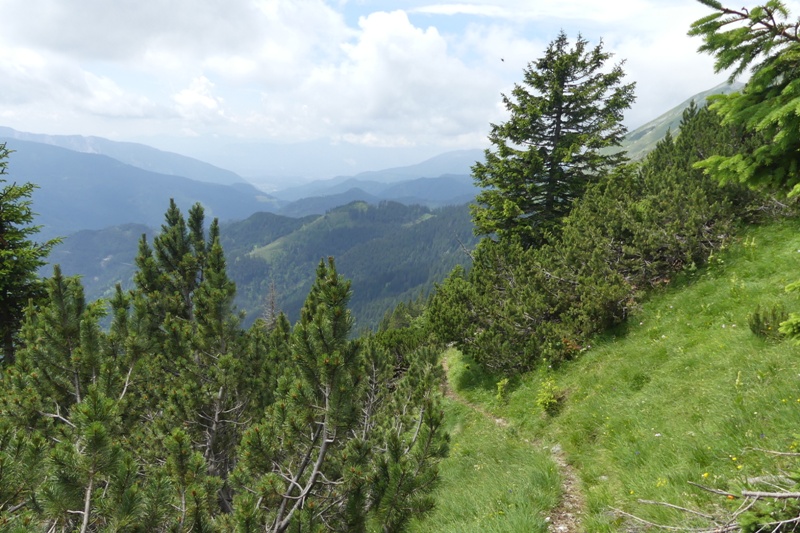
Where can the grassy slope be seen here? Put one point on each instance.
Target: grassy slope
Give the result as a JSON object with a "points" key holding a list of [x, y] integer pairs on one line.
{"points": [[493, 481], [684, 392]]}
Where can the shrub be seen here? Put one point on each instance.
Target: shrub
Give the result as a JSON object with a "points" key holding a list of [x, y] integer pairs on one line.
{"points": [[549, 397], [764, 321]]}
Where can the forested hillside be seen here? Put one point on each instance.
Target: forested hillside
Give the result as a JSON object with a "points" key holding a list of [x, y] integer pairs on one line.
{"points": [[613, 357], [392, 252]]}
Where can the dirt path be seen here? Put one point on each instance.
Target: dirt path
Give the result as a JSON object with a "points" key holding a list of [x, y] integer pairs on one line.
{"points": [[564, 518]]}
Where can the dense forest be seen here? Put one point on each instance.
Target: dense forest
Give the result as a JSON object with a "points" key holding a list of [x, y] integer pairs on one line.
{"points": [[272, 258], [178, 417]]}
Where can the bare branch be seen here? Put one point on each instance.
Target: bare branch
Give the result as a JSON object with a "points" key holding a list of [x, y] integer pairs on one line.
{"points": [[684, 509]]}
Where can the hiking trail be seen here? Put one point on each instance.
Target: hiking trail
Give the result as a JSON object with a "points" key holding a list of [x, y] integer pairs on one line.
{"points": [[565, 517]]}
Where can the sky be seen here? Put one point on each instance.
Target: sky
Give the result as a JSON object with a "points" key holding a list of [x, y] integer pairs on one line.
{"points": [[370, 72]]}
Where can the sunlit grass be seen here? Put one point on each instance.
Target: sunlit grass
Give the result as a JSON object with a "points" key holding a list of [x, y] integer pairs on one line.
{"points": [[493, 480], [684, 392]]}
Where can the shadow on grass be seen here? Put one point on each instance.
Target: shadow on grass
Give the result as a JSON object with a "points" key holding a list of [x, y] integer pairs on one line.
{"points": [[468, 376]]}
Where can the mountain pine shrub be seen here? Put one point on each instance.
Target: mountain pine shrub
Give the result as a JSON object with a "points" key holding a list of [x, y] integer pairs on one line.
{"points": [[628, 234], [765, 321]]}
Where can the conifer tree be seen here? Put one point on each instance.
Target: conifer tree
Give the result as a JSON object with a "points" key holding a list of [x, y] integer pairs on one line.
{"points": [[566, 110], [767, 42], [349, 435], [20, 257], [176, 419]]}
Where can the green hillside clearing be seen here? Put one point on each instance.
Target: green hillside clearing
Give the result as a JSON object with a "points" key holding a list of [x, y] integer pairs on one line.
{"points": [[685, 392]]}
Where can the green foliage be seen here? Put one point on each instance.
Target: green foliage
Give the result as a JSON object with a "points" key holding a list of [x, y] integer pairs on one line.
{"points": [[315, 455], [765, 321], [549, 397], [20, 257], [264, 429], [764, 40], [630, 233], [567, 109], [502, 391]]}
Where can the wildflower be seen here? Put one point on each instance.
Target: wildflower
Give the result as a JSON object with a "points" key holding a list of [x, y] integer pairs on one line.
{"points": [[705, 475]]}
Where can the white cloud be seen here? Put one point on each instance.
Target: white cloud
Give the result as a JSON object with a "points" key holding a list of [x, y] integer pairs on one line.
{"points": [[541, 10], [125, 29], [398, 84], [430, 73], [104, 97], [198, 102]]}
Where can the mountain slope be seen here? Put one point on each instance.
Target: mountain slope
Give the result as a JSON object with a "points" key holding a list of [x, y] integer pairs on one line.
{"points": [[90, 191], [684, 393], [134, 154], [644, 138]]}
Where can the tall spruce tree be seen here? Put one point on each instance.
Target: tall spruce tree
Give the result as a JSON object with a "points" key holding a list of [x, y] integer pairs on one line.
{"points": [[567, 109], [20, 257]]}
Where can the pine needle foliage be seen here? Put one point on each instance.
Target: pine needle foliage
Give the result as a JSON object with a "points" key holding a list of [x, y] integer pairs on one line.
{"points": [[177, 419], [764, 40], [566, 110]]}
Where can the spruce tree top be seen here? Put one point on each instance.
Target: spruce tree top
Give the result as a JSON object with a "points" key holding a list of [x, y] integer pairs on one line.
{"points": [[568, 108]]}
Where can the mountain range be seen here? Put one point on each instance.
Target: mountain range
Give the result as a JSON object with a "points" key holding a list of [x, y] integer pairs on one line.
{"points": [[80, 191], [390, 229], [93, 183]]}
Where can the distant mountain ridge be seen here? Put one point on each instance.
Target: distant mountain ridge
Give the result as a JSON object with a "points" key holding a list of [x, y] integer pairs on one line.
{"points": [[455, 163], [78, 191], [134, 154], [429, 192]]}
